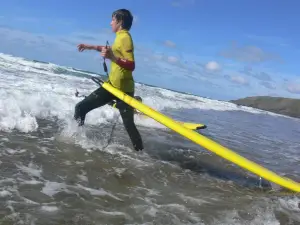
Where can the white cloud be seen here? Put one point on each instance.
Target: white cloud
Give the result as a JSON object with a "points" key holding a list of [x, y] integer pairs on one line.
{"points": [[237, 79], [249, 54], [263, 76], [273, 40], [268, 85], [158, 56], [170, 44], [213, 66], [293, 88], [172, 59]]}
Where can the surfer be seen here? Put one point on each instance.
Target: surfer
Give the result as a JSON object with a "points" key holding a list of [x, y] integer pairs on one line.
{"points": [[121, 54]]}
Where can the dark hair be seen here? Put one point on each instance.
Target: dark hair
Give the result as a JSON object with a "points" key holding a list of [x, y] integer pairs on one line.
{"points": [[124, 16]]}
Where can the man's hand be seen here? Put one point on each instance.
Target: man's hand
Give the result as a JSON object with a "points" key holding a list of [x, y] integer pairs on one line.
{"points": [[82, 47], [108, 53]]}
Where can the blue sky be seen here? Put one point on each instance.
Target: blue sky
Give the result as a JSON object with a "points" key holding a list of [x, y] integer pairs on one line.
{"points": [[219, 49]]}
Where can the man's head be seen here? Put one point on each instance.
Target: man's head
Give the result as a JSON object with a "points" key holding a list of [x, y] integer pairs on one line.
{"points": [[121, 19]]}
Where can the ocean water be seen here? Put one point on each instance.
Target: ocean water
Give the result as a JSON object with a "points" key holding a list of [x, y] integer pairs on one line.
{"points": [[52, 172]]}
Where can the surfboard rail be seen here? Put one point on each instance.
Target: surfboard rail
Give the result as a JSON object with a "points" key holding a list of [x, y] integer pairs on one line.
{"points": [[189, 125]]}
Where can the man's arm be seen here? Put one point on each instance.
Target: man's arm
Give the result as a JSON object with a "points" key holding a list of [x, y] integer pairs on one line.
{"points": [[82, 47], [126, 48]]}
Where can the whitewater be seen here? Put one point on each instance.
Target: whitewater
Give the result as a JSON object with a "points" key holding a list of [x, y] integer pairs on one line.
{"points": [[54, 172]]}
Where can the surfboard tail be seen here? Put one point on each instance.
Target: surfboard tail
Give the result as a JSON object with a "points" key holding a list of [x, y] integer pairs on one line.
{"points": [[192, 126]]}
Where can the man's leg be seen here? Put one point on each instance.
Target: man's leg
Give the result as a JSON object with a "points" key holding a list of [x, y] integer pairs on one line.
{"points": [[127, 114], [96, 99]]}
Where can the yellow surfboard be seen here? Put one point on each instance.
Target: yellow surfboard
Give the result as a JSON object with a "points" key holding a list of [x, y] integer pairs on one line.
{"points": [[203, 141], [191, 126], [188, 125]]}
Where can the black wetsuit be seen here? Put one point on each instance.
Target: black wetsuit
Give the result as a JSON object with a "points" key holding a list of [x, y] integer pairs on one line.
{"points": [[101, 97]]}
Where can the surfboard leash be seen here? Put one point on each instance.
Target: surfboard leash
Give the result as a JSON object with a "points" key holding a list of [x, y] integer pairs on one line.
{"points": [[100, 82]]}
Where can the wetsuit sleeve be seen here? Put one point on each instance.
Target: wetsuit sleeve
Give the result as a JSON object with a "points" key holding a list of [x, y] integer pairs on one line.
{"points": [[126, 50]]}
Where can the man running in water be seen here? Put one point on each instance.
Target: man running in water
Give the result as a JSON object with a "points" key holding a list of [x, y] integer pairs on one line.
{"points": [[121, 55]]}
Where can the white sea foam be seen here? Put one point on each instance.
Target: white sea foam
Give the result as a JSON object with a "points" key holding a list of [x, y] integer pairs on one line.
{"points": [[31, 90]]}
